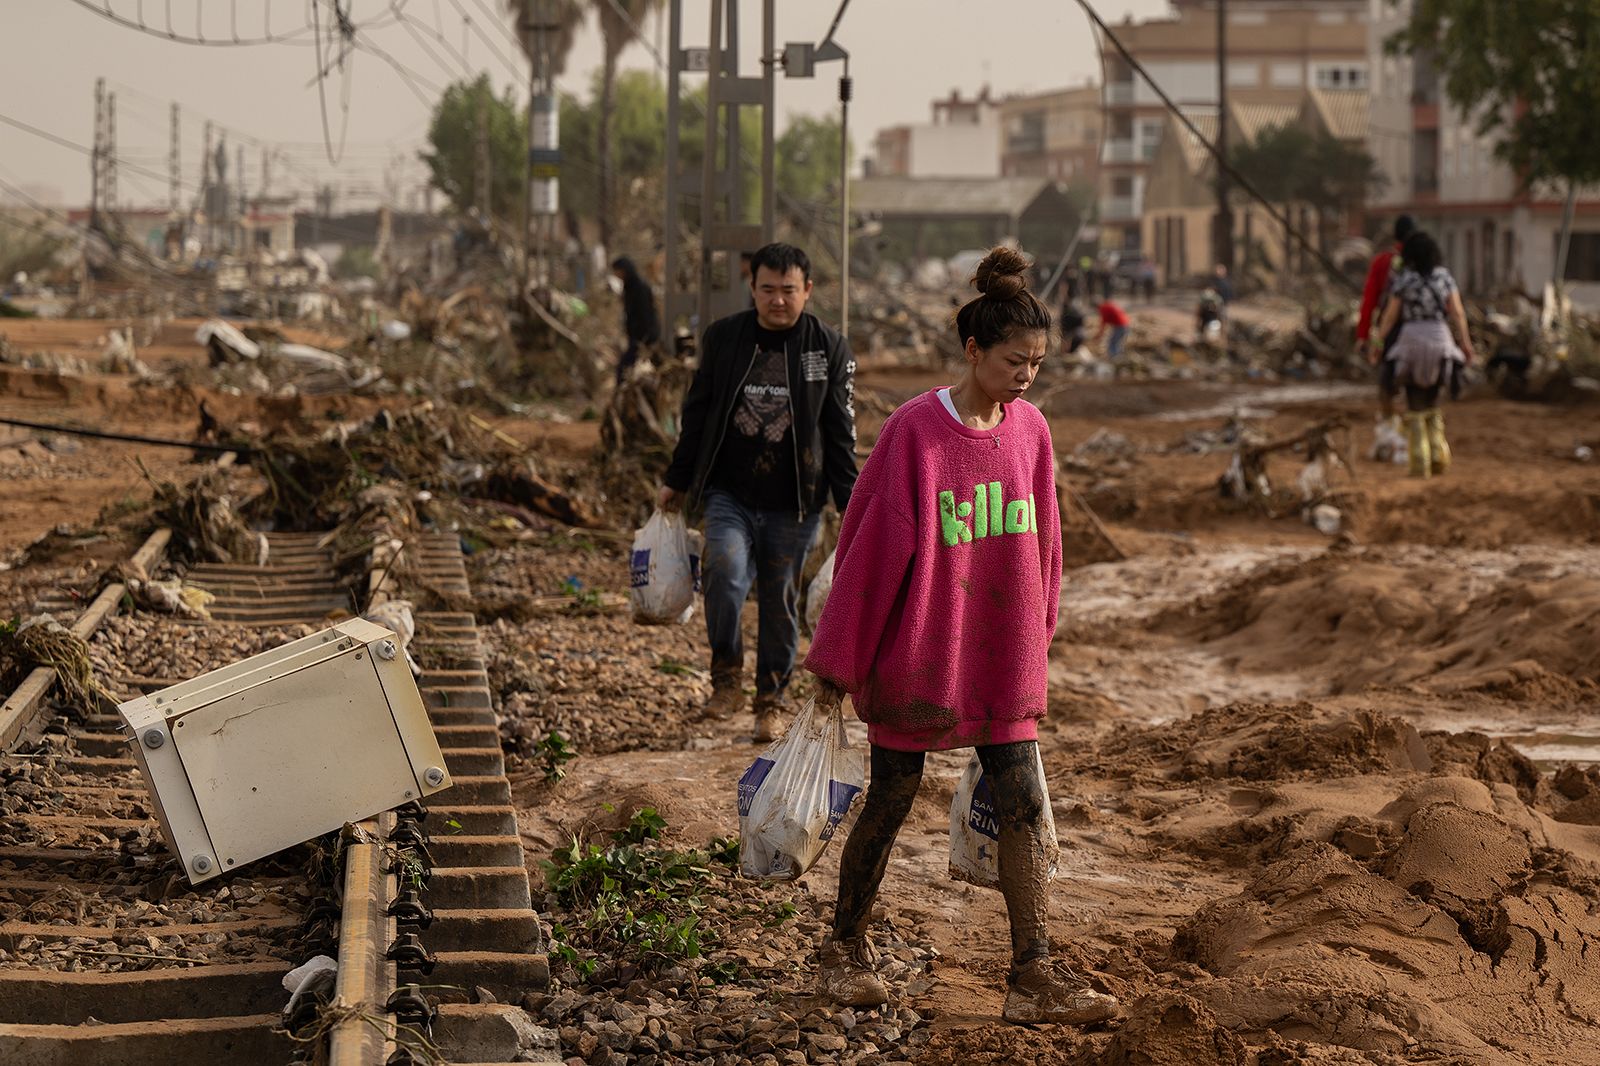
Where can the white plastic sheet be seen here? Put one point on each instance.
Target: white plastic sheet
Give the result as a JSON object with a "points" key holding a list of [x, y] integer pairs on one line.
{"points": [[793, 797], [975, 830]]}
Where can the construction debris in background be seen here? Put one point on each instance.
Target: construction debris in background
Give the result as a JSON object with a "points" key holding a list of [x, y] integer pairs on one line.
{"points": [[1326, 446]]}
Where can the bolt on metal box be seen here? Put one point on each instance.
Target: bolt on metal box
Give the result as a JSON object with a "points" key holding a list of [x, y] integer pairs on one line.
{"points": [[284, 746]]}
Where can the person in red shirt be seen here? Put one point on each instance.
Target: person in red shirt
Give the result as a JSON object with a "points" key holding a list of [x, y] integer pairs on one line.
{"points": [[1384, 265], [1117, 321]]}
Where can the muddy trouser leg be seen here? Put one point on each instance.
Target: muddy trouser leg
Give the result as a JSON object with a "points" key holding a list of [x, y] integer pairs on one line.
{"points": [[895, 777], [1013, 774], [729, 570], [782, 543]]}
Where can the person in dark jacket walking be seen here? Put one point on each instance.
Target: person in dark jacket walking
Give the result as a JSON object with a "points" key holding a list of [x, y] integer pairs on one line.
{"points": [[768, 435], [640, 322]]}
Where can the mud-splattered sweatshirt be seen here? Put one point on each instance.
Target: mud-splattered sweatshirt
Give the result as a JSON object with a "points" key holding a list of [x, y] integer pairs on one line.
{"points": [[946, 581]]}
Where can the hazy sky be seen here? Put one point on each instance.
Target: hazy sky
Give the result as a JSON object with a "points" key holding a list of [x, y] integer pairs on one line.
{"points": [[904, 53]]}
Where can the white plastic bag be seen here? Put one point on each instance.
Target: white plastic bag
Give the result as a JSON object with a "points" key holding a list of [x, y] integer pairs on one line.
{"points": [[794, 796], [1389, 445], [817, 594], [975, 831], [664, 570]]}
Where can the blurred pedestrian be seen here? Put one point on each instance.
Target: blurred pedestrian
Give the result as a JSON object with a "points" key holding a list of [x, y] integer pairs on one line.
{"points": [[640, 322], [1147, 280], [1115, 320], [1385, 265], [1432, 347]]}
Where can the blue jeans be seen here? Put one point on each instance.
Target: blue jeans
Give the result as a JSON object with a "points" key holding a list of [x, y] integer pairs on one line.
{"points": [[745, 546], [1119, 334]]}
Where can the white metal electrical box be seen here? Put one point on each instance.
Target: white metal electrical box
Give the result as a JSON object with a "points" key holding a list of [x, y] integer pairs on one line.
{"points": [[284, 746]]}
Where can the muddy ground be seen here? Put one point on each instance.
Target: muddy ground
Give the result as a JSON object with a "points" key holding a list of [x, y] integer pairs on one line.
{"points": [[1321, 799]]}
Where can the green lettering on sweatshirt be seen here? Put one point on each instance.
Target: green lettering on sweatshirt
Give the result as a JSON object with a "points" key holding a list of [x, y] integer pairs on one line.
{"points": [[986, 515]]}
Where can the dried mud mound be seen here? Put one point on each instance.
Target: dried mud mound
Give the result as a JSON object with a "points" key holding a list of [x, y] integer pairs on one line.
{"points": [[1445, 623], [1458, 945], [1268, 742]]}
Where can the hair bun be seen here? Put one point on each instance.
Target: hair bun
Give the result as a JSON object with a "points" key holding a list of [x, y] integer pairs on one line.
{"points": [[1003, 274]]}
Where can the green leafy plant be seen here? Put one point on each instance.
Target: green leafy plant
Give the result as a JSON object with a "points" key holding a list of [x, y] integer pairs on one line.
{"points": [[554, 752]]}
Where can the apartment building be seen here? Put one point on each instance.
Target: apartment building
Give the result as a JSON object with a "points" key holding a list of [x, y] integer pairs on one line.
{"points": [[1052, 135], [1439, 169], [962, 141], [1277, 49]]}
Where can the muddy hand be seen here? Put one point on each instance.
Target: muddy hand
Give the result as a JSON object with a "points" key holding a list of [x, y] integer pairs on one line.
{"points": [[669, 499], [829, 696]]}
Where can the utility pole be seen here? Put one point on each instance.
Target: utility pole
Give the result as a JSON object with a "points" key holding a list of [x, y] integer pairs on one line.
{"points": [[543, 199], [206, 198], [96, 164], [482, 169], [1224, 234], [266, 170], [172, 162], [109, 162], [241, 245]]}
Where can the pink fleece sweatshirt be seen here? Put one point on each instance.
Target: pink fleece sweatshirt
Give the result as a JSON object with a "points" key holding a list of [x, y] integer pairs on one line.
{"points": [[946, 581]]}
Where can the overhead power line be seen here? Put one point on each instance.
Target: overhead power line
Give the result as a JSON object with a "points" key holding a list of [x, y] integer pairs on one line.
{"points": [[55, 138], [297, 36]]}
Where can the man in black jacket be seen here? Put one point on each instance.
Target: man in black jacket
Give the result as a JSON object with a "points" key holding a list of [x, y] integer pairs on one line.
{"points": [[639, 319], [768, 434]]}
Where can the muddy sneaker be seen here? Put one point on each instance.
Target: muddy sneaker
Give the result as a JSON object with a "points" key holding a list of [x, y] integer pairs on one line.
{"points": [[1045, 991], [845, 974], [727, 700], [769, 718]]}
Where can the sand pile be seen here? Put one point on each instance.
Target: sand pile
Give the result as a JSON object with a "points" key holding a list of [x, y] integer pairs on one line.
{"points": [[1467, 936], [1349, 621], [1268, 742]]}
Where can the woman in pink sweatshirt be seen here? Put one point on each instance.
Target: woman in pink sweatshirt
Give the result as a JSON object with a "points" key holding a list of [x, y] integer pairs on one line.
{"points": [[939, 623]]}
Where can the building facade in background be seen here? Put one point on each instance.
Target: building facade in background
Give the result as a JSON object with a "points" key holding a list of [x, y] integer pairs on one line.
{"points": [[962, 141], [1052, 135], [1494, 233], [1277, 50]]}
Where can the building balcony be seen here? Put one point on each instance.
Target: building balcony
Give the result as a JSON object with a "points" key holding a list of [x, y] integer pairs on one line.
{"points": [[1119, 93], [1119, 151], [1118, 209], [1128, 151]]}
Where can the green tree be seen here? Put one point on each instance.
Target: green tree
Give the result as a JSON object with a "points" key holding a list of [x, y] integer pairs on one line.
{"points": [[808, 159], [1529, 70], [453, 139], [1292, 165], [638, 141], [619, 27]]}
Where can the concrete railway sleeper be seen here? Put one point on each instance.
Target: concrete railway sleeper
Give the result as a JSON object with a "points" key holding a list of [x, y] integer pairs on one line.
{"points": [[108, 957]]}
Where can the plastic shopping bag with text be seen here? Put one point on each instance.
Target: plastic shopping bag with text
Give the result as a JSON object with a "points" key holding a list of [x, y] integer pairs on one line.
{"points": [[793, 797], [664, 570], [975, 829]]}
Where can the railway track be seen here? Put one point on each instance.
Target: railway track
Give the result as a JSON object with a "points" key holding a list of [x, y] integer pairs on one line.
{"points": [[110, 957]]}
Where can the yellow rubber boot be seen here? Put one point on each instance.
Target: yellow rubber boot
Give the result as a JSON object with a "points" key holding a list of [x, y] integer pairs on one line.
{"points": [[1438, 447], [1419, 453]]}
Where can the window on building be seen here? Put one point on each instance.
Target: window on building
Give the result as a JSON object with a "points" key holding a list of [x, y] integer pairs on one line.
{"points": [[1583, 256], [1244, 75], [1122, 185], [1287, 76], [1340, 76], [1248, 18], [1331, 18]]}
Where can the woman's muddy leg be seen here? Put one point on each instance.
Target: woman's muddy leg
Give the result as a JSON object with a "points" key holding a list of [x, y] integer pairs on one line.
{"points": [[895, 777], [1013, 773]]}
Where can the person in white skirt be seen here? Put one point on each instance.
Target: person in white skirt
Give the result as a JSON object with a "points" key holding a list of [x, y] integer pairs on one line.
{"points": [[1434, 344]]}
